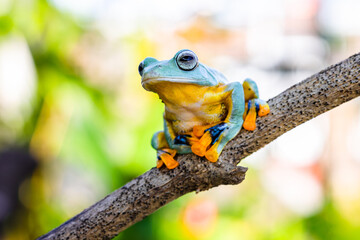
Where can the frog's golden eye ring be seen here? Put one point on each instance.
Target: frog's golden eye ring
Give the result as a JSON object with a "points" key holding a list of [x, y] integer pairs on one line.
{"points": [[187, 60]]}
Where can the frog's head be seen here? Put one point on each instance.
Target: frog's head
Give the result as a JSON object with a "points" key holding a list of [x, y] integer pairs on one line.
{"points": [[183, 68]]}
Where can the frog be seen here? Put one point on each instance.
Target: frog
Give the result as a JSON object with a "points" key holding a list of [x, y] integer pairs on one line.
{"points": [[203, 110]]}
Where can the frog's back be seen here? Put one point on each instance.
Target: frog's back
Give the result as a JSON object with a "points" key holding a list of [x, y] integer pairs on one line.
{"points": [[215, 74]]}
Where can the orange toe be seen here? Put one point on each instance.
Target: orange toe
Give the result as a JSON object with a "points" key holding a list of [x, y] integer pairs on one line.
{"points": [[170, 151], [206, 139], [169, 161], [212, 156], [193, 140], [199, 148], [250, 120], [198, 131], [159, 163], [250, 126], [264, 110]]}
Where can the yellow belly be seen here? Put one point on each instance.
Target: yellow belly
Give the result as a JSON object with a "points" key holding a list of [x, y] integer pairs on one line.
{"points": [[185, 119], [189, 105]]}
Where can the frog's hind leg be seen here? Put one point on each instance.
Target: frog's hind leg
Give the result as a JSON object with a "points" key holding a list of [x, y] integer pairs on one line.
{"points": [[165, 155], [215, 137]]}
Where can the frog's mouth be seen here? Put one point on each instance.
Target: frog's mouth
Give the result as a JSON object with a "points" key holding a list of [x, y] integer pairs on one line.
{"points": [[167, 79], [147, 83]]}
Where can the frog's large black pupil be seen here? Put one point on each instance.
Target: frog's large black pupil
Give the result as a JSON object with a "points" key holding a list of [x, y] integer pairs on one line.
{"points": [[187, 58]]}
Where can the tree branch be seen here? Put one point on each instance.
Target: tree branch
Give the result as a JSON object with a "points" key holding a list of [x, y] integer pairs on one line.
{"points": [[144, 195]]}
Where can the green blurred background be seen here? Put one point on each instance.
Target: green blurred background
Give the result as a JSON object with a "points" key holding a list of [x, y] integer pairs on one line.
{"points": [[75, 123]]}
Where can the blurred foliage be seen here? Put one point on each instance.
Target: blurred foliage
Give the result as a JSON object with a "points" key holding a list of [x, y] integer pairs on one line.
{"points": [[89, 139], [69, 127]]}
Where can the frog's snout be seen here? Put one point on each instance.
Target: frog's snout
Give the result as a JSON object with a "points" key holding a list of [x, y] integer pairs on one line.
{"points": [[141, 68], [146, 62]]}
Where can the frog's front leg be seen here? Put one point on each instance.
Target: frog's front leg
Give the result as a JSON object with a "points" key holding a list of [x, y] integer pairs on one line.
{"points": [[165, 155], [168, 144], [180, 142], [215, 138], [254, 106]]}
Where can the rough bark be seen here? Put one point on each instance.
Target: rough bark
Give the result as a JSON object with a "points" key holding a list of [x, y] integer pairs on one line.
{"points": [[142, 196]]}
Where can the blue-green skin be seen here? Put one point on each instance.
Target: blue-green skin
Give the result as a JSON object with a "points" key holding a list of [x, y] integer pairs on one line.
{"points": [[169, 71]]}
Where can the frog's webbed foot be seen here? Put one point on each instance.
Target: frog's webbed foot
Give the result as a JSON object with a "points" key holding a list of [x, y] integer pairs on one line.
{"points": [[253, 105], [250, 116], [200, 147], [253, 108], [208, 143], [166, 156]]}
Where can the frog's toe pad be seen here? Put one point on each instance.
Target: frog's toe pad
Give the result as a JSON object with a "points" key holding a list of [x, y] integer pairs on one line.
{"points": [[198, 149], [212, 155], [250, 126], [262, 107], [250, 121], [167, 157], [159, 163], [198, 131], [264, 111]]}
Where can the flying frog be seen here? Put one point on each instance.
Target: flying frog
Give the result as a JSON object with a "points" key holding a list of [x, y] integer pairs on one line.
{"points": [[202, 110]]}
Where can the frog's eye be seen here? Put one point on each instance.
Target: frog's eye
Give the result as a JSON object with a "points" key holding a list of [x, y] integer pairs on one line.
{"points": [[187, 60]]}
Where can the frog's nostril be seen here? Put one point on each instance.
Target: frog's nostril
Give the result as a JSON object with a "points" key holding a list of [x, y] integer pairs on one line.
{"points": [[141, 68]]}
